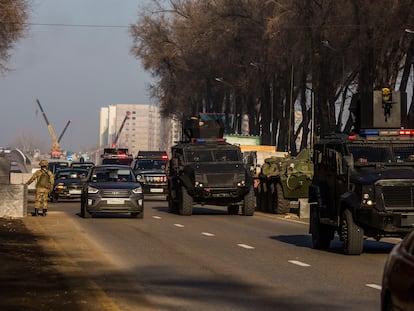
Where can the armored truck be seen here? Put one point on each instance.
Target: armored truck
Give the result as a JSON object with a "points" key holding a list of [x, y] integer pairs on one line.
{"points": [[283, 180], [363, 182], [205, 169]]}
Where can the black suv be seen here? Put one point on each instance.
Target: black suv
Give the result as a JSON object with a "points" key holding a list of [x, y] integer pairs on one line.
{"points": [[208, 170], [363, 186], [150, 170]]}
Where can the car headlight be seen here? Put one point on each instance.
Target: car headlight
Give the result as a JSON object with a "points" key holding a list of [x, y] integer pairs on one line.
{"points": [[139, 176], [368, 196], [137, 190], [92, 190]]}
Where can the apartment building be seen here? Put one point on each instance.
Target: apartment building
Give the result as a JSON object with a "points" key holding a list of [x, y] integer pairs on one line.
{"points": [[144, 129]]}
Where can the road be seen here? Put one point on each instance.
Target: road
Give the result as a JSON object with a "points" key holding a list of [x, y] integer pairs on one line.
{"points": [[210, 261]]}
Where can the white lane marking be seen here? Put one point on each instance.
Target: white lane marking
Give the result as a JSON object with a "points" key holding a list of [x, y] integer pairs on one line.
{"points": [[179, 225], [375, 286], [246, 246], [207, 234], [156, 217], [299, 263]]}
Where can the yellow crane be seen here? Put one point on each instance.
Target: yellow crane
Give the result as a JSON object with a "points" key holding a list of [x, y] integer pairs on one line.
{"points": [[56, 150]]}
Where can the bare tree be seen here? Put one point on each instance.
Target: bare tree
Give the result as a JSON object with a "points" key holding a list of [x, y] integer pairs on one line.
{"points": [[13, 17]]}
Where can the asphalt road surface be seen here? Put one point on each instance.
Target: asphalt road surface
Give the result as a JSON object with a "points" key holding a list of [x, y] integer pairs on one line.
{"points": [[209, 261]]}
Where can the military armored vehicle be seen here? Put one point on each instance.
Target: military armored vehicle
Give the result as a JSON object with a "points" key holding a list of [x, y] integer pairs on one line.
{"points": [[363, 183], [282, 180], [205, 169]]}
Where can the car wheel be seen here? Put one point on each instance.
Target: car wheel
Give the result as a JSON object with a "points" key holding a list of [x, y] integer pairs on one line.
{"points": [[186, 203], [137, 215], [322, 234], [351, 234], [248, 203], [84, 213]]}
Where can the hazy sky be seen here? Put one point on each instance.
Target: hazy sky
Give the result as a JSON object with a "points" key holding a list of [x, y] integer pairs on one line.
{"points": [[73, 71]]}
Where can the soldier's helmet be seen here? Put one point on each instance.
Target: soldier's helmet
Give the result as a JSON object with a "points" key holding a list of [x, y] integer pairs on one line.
{"points": [[43, 163]]}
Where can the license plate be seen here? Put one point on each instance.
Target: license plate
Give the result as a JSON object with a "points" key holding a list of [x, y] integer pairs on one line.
{"points": [[157, 190], [75, 191], [115, 201]]}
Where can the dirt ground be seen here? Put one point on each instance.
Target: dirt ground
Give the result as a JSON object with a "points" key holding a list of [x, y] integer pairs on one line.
{"points": [[28, 279]]}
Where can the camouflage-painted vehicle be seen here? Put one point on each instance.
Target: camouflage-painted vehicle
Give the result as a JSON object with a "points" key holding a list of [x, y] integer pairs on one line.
{"points": [[282, 180]]}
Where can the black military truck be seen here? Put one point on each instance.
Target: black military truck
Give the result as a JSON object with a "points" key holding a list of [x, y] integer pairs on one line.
{"points": [[150, 170], [363, 183], [205, 169]]}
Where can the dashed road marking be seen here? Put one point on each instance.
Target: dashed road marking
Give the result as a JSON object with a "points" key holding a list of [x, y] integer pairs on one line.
{"points": [[207, 234], [299, 263], [246, 246], [375, 286], [156, 217], [179, 225]]}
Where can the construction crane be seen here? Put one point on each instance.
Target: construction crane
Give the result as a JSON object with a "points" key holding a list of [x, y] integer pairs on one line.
{"points": [[63, 131], [56, 150], [115, 141]]}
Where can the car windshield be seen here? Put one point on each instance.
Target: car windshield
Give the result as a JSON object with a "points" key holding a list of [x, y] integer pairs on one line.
{"points": [[112, 175], [212, 155], [150, 164], [382, 153], [71, 174]]}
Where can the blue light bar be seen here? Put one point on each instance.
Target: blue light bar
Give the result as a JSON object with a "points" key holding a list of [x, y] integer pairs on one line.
{"points": [[368, 132]]}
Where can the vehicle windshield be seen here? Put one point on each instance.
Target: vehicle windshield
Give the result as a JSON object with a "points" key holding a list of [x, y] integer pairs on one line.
{"points": [[71, 174], [213, 155], [150, 164], [112, 175], [382, 153]]}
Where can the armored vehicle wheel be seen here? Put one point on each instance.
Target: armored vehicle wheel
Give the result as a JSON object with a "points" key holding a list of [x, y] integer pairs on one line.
{"points": [[351, 234], [248, 203], [233, 209], [186, 203], [282, 205], [322, 234]]}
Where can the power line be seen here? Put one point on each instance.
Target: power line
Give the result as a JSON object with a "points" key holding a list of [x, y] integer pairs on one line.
{"points": [[76, 25]]}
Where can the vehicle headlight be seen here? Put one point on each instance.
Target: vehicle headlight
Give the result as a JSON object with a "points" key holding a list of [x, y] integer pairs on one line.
{"points": [[241, 183], [139, 176], [60, 186], [137, 190], [92, 190], [198, 184], [368, 196]]}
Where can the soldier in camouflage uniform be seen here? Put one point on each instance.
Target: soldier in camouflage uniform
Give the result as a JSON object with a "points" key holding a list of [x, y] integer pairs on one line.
{"points": [[44, 185]]}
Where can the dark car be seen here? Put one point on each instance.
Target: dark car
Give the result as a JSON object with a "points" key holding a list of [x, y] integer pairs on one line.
{"points": [[68, 184], [57, 165], [84, 165], [397, 291], [111, 188]]}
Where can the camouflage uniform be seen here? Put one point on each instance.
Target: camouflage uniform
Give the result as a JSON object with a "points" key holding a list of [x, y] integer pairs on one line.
{"points": [[44, 185]]}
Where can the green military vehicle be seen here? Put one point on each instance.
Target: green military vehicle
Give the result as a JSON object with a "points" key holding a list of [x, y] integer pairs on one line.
{"points": [[207, 170], [283, 180], [363, 183]]}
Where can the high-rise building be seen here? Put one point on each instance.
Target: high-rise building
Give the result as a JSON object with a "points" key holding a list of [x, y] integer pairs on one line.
{"points": [[144, 129]]}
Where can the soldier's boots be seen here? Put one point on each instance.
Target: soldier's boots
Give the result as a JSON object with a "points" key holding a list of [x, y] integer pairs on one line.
{"points": [[44, 212], [36, 212]]}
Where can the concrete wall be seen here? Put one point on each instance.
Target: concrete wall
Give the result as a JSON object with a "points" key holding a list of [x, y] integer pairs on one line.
{"points": [[13, 202]]}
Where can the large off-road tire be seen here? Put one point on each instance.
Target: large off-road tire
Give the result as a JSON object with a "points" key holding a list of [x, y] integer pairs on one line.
{"points": [[233, 209], [248, 203], [84, 212], [352, 235], [282, 205], [322, 234], [186, 203]]}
